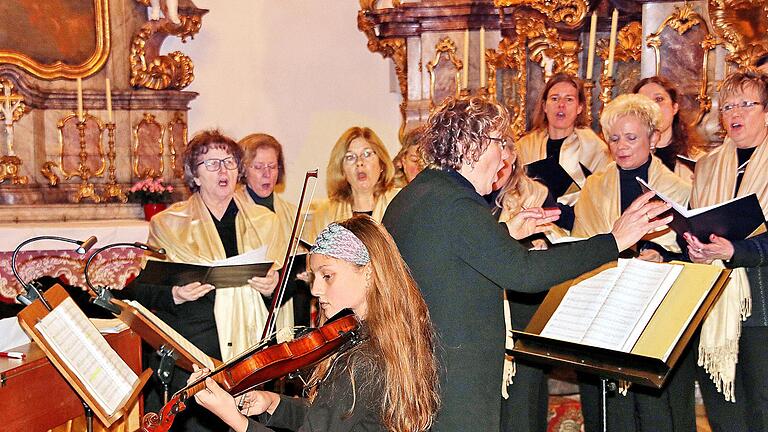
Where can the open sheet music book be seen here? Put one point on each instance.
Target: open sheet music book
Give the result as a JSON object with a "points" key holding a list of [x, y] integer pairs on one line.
{"points": [[85, 352], [198, 355], [611, 310], [735, 219]]}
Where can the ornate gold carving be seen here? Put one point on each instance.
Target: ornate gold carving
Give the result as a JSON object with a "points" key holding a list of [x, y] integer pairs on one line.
{"points": [[448, 48], [681, 20], [151, 70], [571, 12], [148, 124], [60, 69], [546, 48], [742, 25], [9, 170], [177, 123], [47, 172], [394, 48], [86, 189], [112, 189], [629, 45], [83, 155]]}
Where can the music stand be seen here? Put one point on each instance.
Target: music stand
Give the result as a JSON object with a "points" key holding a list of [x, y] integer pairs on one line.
{"points": [[29, 319], [659, 347]]}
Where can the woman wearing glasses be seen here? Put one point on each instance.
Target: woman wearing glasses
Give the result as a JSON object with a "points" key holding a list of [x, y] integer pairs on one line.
{"points": [[359, 180], [213, 224], [735, 333]]}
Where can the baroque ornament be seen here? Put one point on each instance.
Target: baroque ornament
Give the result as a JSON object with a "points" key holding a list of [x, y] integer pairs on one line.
{"points": [[570, 12], [742, 26]]}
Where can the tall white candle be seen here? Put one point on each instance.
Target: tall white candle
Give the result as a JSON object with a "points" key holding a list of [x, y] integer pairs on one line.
{"points": [[80, 115], [591, 52], [465, 75], [109, 101], [482, 57], [612, 45]]}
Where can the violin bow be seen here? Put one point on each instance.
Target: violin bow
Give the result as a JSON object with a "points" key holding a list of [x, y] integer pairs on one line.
{"points": [[290, 257]]}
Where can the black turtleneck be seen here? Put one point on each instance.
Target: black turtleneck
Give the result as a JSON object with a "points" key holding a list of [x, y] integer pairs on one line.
{"points": [[268, 202], [553, 147], [667, 155], [227, 229], [743, 154], [629, 188]]}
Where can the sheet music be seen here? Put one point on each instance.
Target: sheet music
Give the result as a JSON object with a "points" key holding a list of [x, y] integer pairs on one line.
{"points": [[199, 355], [612, 310], [81, 347], [251, 257]]}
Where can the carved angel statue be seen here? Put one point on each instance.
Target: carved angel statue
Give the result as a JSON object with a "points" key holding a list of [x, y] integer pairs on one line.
{"points": [[170, 10]]}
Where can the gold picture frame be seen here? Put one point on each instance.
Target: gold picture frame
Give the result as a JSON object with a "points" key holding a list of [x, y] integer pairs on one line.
{"points": [[59, 68]]}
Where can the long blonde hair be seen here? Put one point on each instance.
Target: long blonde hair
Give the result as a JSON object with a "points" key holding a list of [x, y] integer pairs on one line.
{"points": [[520, 191], [400, 333], [337, 185]]}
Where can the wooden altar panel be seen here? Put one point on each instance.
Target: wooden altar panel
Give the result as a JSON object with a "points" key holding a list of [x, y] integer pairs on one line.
{"points": [[55, 38], [35, 397]]}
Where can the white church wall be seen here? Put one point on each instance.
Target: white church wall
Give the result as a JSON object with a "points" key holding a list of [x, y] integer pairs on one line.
{"points": [[295, 69]]}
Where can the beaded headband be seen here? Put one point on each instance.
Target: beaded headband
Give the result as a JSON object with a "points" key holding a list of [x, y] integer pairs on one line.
{"points": [[338, 242]]}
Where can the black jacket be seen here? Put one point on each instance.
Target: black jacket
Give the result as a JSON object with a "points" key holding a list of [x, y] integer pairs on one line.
{"points": [[462, 259]]}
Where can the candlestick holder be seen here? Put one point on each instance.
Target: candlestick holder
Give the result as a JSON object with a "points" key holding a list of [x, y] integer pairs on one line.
{"points": [[589, 85], [87, 189], [112, 189], [606, 91]]}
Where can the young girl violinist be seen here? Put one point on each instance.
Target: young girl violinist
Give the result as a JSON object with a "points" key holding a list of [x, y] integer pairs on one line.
{"points": [[388, 381]]}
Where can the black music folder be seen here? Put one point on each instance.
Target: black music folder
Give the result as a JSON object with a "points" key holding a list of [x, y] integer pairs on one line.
{"points": [[178, 274], [736, 219], [552, 174]]}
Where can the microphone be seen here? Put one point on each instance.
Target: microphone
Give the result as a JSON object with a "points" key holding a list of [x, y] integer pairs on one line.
{"points": [[33, 292], [154, 250], [103, 296], [86, 245]]}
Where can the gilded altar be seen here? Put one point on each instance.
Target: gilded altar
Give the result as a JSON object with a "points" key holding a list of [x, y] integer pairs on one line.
{"points": [[87, 98]]}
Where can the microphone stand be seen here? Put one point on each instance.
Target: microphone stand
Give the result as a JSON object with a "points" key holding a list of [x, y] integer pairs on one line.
{"points": [[33, 292], [33, 289], [103, 296]]}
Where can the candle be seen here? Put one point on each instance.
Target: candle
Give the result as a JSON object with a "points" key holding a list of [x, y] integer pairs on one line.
{"points": [[80, 115], [591, 53], [465, 77], [612, 46], [109, 101], [482, 57]]}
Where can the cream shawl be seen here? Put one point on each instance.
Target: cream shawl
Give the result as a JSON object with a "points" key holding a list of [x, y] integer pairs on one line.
{"points": [[582, 146], [714, 182], [187, 232], [600, 203], [326, 211]]}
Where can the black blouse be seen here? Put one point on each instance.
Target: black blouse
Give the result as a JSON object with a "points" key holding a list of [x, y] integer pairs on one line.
{"points": [[268, 202]]}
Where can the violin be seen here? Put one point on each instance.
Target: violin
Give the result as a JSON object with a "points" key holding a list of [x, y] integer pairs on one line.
{"points": [[266, 361], [249, 370]]}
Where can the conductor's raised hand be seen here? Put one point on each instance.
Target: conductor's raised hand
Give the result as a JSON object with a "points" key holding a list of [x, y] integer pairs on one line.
{"points": [[532, 221], [190, 292], [638, 220], [265, 285]]}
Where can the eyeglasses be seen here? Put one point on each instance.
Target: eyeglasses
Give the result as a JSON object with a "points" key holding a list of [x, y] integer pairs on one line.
{"points": [[351, 158], [502, 141], [744, 105], [214, 165], [261, 166]]}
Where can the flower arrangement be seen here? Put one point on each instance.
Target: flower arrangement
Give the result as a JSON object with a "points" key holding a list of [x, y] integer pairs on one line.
{"points": [[150, 191]]}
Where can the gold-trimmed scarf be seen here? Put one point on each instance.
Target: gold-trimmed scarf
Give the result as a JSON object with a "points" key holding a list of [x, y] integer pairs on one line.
{"points": [[326, 211], [188, 234], [581, 147], [714, 182], [600, 203]]}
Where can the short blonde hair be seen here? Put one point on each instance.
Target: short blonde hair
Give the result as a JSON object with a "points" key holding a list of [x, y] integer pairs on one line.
{"points": [[337, 185], [635, 105]]}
